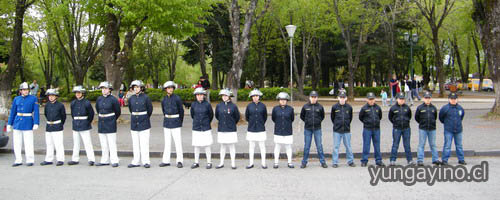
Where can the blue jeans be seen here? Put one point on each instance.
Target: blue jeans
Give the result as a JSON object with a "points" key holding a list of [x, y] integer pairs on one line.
{"points": [[448, 137], [396, 137], [370, 135], [415, 94], [337, 138], [308, 134], [422, 137]]}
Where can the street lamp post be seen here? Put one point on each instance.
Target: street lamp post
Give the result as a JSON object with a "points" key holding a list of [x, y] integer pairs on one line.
{"points": [[412, 39], [290, 29]]}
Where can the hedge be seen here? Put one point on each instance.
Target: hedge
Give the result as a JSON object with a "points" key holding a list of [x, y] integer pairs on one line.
{"points": [[187, 94]]}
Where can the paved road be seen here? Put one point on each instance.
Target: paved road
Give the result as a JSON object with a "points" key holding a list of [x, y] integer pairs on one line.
{"points": [[314, 182]]}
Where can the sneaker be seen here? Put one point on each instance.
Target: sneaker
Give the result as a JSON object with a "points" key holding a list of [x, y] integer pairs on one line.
{"points": [[219, 166], [275, 166], [290, 165], [179, 165], [303, 165], [73, 163], [437, 162], [335, 165], [91, 163], [132, 166], [17, 164], [164, 164], [381, 164], [462, 162], [420, 163], [363, 164], [29, 164], [147, 165], [233, 167], [59, 163], [249, 167], [352, 164], [411, 162], [115, 165], [444, 163], [209, 166], [324, 165], [101, 164], [45, 163], [264, 166], [195, 165]]}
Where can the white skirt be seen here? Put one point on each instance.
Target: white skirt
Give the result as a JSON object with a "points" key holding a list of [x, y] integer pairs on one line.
{"points": [[227, 137], [202, 138], [257, 136], [283, 139]]}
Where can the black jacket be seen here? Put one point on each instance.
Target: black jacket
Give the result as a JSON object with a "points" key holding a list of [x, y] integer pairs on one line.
{"points": [[172, 106], [370, 116], [283, 118], [228, 115], [400, 116], [312, 115], [140, 103], [82, 108], [54, 112], [341, 118], [426, 116], [256, 116], [202, 114], [106, 105]]}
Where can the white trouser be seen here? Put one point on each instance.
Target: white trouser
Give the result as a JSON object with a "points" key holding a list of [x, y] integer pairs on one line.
{"points": [[140, 143], [277, 149], [251, 151], [18, 137], [232, 153], [87, 143], [54, 140], [108, 148], [208, 153], [170, 133]]}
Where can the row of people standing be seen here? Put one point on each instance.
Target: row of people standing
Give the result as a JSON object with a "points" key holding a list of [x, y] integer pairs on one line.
{"points": [[24, 118]]}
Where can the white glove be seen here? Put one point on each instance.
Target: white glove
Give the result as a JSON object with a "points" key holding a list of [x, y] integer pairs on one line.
{"points": [[9, 128], [35, 126]]}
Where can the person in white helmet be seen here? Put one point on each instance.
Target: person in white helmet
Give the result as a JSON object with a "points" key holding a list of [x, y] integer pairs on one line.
{"points": [[256, 116], [83, 114], [202, 114], [283, 116], [141, 108], [173, 112], [24, 118], [56, 116], [108, 109], [228, 115]]}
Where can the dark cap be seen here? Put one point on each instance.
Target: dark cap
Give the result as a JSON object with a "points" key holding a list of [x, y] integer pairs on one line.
{"points": [[400, 96], [370, 95], [313, 94], [453, 96], [342, 94], [427, 94]]}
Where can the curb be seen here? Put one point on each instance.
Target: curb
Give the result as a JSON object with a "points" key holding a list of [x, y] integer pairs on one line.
{"points": [[157, 154]]}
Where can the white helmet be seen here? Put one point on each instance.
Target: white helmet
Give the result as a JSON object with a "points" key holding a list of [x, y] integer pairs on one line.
{"points": [[226, 91], [52, 92], [137, 83], [105, 84], [79, 88], [200, 90], [255, 92], [169, 84], [283, 95], [24, 86]]}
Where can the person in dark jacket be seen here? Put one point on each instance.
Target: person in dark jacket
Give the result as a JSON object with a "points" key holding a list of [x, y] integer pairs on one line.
{"points": [[228, 115], [313, 114], [82, 114], [370, 115], [283, 116], [400, 116], [140, 108], [172, 122], [23, 119], [256, 116], [451, 115], [56, 116], [108, 109], [341, 116], [426, 116], [202, 114]]}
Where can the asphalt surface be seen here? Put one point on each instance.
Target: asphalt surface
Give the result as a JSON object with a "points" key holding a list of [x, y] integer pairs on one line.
{"points": [[85, 182]]}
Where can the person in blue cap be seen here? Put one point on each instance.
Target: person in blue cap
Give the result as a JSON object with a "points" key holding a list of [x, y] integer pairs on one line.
{"points": [[341, 116], [23, 119], [312, 114], [371, 114], [56, 116], [426, 116], [451, 115], [400, 116]]}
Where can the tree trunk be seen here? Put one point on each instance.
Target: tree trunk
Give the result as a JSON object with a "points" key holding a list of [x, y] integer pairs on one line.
{"points": [[8, 76], [203, 64]]}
